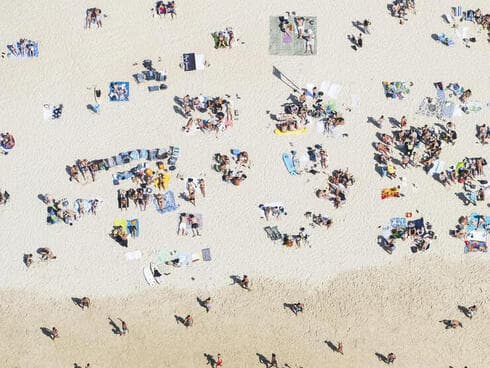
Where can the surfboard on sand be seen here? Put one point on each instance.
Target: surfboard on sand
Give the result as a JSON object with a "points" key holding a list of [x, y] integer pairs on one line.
{"points": [[288, 161]]}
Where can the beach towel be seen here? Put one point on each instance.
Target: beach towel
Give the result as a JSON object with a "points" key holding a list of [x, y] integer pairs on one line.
{"points": [[448, 109], [131, 256], [386, 232], [206, 254], [119, 91], [51, 112], [398, 222], [85, 205], [475, 246], [437, 167], [477, 235], [390, 193], [290, 132], [133, 227], [169, 203], [458, 11], [163, 256], [309, 89], [334, 91]]}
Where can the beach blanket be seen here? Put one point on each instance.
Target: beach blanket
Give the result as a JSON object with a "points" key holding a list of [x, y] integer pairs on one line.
{"points": [[398, 222], [169, 203], [85, 205], [133, 227], [475, 246], [288, 161], [15, 51], [132, 256], [437, 167], [206, 254], [51, 112], [290, 132], [119, 91], [149, 276], [192, 61], [398, 89], [473, 220], [390, 193]]}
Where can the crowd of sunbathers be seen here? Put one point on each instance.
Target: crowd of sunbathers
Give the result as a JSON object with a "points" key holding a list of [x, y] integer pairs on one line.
{"points": [[338, 184], [164, 8], [419, 232], [401, 8], [309, 104], [407, 140], [292, 25], [232, 170], [94, 16], [218, 109], [225, 39]]}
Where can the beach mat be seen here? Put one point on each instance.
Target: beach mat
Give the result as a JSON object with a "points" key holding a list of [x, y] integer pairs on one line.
{"points": [[206, 254]]}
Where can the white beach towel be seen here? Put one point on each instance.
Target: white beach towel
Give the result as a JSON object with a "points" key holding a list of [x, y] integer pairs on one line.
{"points": [[149, 276], [131, 256], [309, 89], [334, 90], [437, 168], [324, 87]]}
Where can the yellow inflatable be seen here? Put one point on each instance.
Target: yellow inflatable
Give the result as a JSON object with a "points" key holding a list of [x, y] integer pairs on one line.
{"points": [[290, 132]]}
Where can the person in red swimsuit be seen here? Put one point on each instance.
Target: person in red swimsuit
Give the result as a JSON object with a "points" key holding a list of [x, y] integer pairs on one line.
{"points": [[219, 362]]}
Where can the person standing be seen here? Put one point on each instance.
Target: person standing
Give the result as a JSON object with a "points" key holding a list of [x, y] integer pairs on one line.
{"points": [[54, 333], [219, 361], [366, 25], [359, 41], [390, 358], [471, 311], [245, 282], [188, 321], [207, 304], [273, 362], [85, 302], [124, 328], [340, 348]]}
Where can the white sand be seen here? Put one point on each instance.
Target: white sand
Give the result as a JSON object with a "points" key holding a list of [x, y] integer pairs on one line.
{"points": [[72, 60]]}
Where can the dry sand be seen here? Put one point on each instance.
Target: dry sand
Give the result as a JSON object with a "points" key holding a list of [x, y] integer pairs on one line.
{"points": [[378, 303]]}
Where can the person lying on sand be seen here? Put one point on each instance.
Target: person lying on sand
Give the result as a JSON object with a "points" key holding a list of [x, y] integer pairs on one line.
{"points": [[46, 254]]}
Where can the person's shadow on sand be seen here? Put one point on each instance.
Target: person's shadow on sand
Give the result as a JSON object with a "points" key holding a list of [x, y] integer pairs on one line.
{"points": [[115, 328], [210, 360], [464, 310], [381, 357], [236, 280], [263, 360], [179, 319], [331, 345], [47, 332]]}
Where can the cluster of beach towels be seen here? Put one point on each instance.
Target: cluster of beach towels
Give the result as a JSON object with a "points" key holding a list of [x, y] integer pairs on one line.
{"points": [[398, 89], [150, 74], [404, 228]]}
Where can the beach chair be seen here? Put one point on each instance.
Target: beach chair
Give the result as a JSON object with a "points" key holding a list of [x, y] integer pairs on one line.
{"points": [[273, 233]]}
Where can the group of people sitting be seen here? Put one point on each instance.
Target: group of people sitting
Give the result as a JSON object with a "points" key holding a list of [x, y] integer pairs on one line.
{"points": [[164, 8], [272, 211], [224, 39], [93, 16], [338, 184], [207, 114], [23, 48], [295, 26], [45, 254], [319, 220], [7, 142], [58, 210], [419, 232], [401, 8], [232, 170]]}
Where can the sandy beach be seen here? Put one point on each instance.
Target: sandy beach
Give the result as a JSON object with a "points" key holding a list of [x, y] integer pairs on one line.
{"points": [[353, 291]]}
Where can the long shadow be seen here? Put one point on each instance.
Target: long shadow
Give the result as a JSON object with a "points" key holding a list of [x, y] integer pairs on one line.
{"points": [[179, 111], [373, 121], [236, 280], [290, 306], [41, 197], [47, 332], [115, 328], [359, 26], [381, 357], [464, 310], [77, 302], [293, 99], [178, 101], [210, 360], [353, 42], [394, 122], [179, 319], [263, 360], [331, 345], [284, 79], [463, 198]]}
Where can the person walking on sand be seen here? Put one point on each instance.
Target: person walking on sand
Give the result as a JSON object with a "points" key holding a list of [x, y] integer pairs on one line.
{"points": [[188, 321], [202, 187], [219, 361], [85, 302], [471, 311], [403, 122], [390, 358], [207, 304], [366, 25], [54, 333], [340, 348], [273, 362], [381, 121], [245, 282], [124, 328]]}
